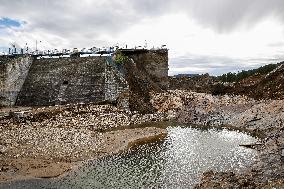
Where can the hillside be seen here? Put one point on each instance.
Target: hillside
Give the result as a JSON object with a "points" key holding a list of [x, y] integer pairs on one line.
{"points": [[260, 85], [236, 77], [266, 82]]}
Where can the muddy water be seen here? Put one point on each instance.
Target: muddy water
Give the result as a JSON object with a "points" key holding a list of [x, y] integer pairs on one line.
{"points": [[176, 162]]}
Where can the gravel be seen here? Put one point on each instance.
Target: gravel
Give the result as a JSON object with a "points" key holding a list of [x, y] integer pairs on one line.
{"points": [[69, 132]]}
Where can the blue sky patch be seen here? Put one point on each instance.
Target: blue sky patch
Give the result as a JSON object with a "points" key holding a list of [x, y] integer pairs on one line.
{"points": [[8, 22]]}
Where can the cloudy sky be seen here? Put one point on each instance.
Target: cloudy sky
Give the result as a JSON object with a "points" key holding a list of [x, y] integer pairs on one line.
{"points": [[214, 36]]}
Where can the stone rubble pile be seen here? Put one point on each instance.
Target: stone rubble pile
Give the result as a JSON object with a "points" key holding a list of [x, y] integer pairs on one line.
{"points": [[200, 108], [69, 132], [46, 142]]}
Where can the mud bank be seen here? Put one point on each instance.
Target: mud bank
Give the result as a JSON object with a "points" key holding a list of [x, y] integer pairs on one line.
{"points": [[47, 142], [265, 118], [50, 165]]}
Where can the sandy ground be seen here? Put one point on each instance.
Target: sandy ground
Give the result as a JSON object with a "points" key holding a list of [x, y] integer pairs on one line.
{"points": [[37, 143], [113, 142]]}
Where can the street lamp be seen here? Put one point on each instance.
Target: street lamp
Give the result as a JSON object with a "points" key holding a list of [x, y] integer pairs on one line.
{"points": [[36, 46]]}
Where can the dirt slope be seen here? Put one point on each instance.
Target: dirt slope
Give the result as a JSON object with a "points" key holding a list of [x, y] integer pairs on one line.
{"points": [[269, 86], [140, 87]]}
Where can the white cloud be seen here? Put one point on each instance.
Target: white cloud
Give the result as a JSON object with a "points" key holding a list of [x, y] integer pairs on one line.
{"points": [[213, 36]]}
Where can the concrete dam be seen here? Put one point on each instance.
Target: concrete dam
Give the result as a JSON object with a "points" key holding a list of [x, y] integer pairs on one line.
{"points": [[27, 80]]}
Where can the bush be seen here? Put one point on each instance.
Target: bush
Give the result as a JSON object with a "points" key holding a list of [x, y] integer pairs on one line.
{"points": [[120, 58]]}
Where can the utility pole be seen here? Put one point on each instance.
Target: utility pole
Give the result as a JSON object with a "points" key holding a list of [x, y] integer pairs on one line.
{"points": [[26, 48], [36, 46]]}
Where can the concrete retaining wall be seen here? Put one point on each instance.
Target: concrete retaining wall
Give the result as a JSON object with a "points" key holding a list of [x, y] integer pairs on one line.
{"points": [[69, 80], [13, 72], [30, 81]]}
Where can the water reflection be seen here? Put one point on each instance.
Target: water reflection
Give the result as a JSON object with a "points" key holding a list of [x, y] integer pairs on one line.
{"points": [[176, 162]]}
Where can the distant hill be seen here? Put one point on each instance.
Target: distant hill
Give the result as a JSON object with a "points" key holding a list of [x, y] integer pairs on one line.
{"points": [[235, 77], [266, 82]]}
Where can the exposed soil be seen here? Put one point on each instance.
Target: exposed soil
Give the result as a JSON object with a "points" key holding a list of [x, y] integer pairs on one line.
{"points": [[20, 168], [270, 86], [140, 87]]}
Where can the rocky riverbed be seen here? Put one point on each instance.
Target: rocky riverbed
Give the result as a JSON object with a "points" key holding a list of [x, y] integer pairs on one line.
{"points": [[35, 142], [263, 118], [46, 142]]}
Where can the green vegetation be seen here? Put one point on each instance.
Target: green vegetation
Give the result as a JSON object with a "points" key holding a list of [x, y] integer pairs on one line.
{"points": [[120, 58], [235, 77]]}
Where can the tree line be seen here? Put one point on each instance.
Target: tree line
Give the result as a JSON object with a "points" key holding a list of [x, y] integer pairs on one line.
{"points": [[235, 77]]}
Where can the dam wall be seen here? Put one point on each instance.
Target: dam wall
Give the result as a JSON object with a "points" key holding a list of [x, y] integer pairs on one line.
{"points": [[56, 81], [33, 80]]}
